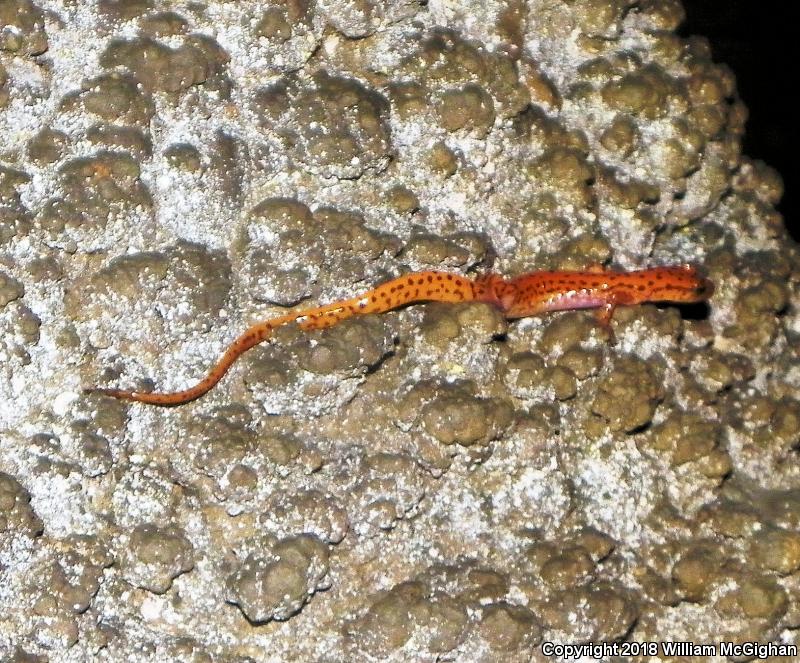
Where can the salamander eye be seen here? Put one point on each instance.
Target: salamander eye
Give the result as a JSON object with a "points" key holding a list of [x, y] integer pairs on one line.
{"points": [[704, 289]]}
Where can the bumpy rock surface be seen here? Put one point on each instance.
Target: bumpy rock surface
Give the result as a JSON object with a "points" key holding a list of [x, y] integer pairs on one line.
{"points": [[435, 483]]}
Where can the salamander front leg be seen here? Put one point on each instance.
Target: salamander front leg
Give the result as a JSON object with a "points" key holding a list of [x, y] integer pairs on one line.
{"points": [[603, 316]]}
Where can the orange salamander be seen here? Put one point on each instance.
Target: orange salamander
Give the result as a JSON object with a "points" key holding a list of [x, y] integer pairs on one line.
{"points": [[528, 294]]}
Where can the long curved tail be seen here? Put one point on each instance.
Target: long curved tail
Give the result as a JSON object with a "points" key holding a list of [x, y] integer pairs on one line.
{"points": [[253, 336], [408, 289]]}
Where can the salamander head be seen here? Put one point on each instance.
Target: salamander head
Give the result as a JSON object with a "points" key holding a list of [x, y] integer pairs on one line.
{"points": [[684, 284]]}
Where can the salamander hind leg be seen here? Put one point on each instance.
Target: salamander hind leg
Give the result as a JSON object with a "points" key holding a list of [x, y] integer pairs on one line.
{"points": [[494, 289]]}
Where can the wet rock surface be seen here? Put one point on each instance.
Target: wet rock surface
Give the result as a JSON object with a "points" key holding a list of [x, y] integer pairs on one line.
{"points": [[435, 483]]}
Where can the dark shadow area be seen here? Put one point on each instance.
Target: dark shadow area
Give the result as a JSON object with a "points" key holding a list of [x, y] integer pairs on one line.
{"points": [[756, 39], [697, 311]]}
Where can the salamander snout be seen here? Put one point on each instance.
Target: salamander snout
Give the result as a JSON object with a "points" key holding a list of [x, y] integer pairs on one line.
{"points": [[691, 286], [681, 284]]}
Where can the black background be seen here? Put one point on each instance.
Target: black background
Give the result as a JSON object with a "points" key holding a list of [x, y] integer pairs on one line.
{"points": [[753, 38]]}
